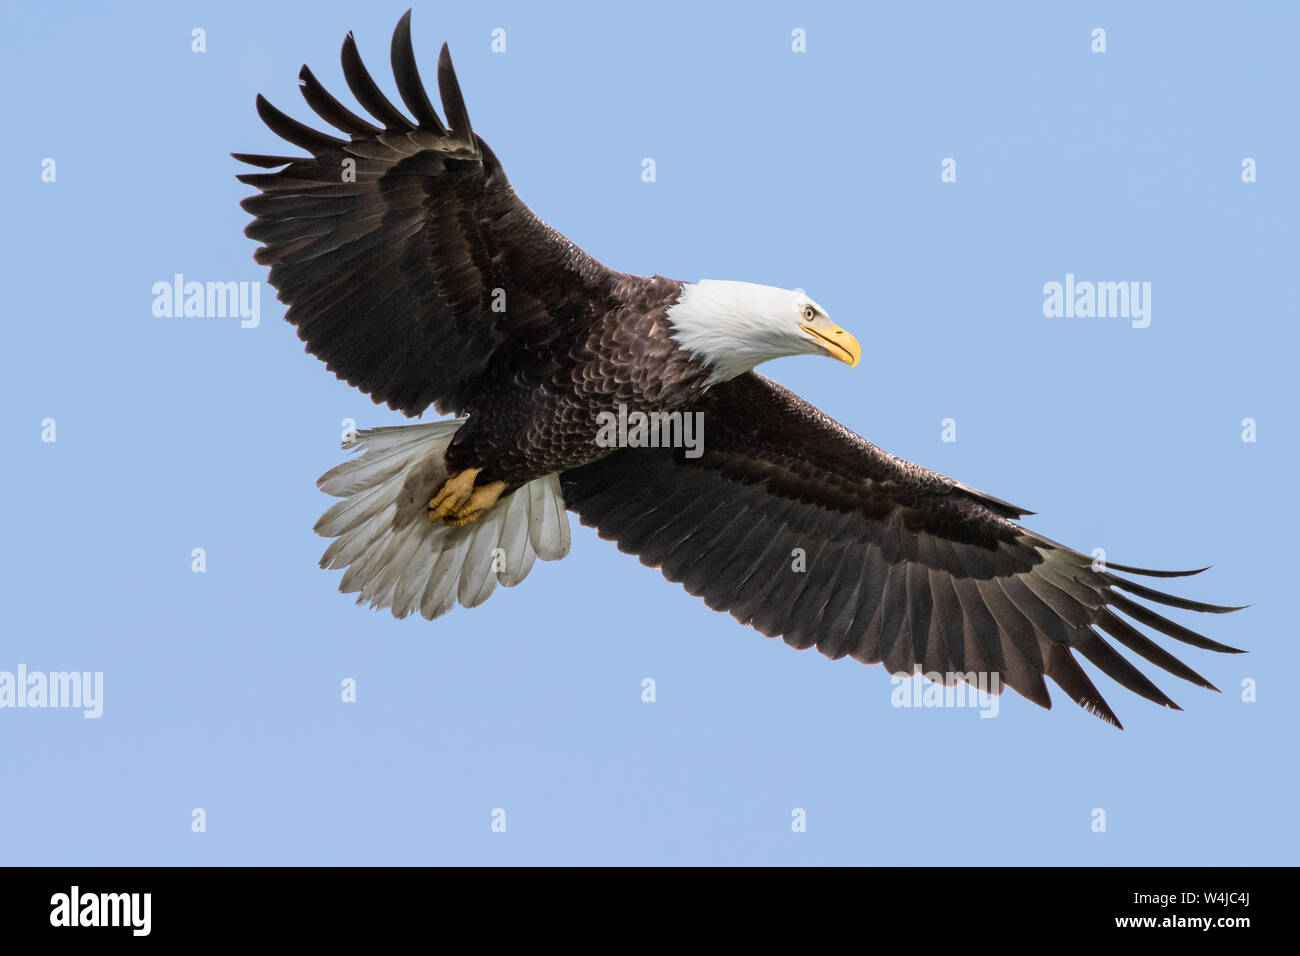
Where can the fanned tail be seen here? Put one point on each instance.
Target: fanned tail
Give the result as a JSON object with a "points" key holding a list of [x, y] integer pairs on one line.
{"points": [[396, 558]]}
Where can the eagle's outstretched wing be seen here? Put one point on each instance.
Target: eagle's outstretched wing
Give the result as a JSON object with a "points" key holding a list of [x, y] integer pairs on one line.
{"points": [[900, 565], [404, 256]]}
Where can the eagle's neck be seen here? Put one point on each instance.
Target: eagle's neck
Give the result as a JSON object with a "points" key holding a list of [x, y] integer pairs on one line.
{"points": [[733, 326]]}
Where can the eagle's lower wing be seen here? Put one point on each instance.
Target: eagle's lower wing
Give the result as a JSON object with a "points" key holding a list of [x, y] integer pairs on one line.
{"points": [[800, 528], [404, 256]]}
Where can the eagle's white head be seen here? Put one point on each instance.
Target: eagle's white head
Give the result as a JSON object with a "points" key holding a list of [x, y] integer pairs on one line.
{"points": [[733, 326]]}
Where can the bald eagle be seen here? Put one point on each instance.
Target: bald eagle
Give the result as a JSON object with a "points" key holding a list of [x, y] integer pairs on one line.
{"points": [[410, 267]]}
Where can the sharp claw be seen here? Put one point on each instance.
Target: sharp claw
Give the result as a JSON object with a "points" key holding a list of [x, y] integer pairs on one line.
{"points": [[458, 502]]}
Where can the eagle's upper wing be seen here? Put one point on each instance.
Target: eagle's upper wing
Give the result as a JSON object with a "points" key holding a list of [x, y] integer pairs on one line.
{"points": [[402, 252], [900, 564]]}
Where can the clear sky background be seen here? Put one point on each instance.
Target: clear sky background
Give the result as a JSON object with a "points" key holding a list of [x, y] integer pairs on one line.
{"points": [[818, 170]]}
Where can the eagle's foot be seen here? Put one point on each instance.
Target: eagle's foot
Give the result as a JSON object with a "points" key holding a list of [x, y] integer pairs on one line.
{"points": [[480, 500], [453, 494], [458, 502]]}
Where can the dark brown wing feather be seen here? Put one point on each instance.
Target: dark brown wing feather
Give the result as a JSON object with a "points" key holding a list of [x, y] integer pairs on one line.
{"points": [[903, 565], [392, 246]]}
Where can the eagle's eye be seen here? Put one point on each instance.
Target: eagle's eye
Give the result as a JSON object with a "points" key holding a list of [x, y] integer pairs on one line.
{"points": [[809, 313]]}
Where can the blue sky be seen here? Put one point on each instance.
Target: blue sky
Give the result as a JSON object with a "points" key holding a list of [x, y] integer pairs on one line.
{"points": [[819, 170]]}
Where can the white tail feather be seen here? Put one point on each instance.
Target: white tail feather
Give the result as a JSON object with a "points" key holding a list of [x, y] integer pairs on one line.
{"points": [[396, 558]]}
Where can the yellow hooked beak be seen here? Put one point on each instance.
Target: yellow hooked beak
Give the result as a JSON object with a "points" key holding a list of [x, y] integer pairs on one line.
{"points": [[837, 343]]}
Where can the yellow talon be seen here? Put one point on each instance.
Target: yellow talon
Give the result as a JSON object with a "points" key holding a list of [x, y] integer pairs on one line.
{"points": [[479, 502], [458, 502], [455, 491]]}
